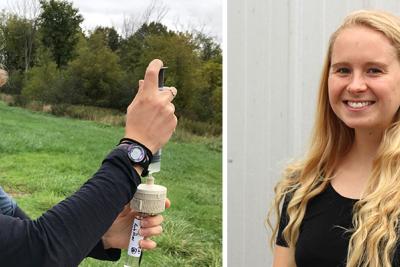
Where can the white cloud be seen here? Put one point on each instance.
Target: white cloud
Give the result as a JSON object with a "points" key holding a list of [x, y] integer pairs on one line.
{"points": [[182, 14]]}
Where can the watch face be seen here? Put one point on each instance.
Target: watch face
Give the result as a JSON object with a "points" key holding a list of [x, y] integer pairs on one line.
{"points": [[136, 153]]}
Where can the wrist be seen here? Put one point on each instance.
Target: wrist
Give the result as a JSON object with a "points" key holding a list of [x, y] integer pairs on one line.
{"points": [[106, 243], [139, 155], [138, 169], [151, 146]]}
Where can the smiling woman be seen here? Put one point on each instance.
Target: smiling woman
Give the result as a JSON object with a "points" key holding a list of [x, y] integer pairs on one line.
{"points": [[340, 203]]}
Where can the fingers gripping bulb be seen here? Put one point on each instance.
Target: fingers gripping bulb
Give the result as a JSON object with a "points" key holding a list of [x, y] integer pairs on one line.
{"points": [[148, 200]]}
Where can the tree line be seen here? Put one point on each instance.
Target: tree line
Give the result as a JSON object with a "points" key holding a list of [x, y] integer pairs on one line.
{"points": [[50, 59]]}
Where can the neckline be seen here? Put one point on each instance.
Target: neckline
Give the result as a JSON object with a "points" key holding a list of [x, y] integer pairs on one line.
{"points": [[341, 196]]}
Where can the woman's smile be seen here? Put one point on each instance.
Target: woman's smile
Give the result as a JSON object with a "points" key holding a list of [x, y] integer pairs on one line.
{"points": [[358, 104]]}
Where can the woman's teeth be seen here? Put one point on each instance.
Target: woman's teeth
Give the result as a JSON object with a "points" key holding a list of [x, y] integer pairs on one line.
{"points": [[358, 104]]}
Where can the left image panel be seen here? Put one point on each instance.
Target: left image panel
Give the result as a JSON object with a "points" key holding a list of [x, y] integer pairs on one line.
{"points": [[111, 133]]}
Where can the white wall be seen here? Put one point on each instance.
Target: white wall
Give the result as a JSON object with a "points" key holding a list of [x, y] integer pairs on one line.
{"points": [[275, 54]]}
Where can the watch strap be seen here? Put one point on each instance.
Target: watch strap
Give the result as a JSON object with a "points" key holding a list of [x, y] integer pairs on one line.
{"points": [[127, 142], [131, 141]]}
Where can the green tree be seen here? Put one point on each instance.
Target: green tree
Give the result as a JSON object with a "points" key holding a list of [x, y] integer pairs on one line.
{"points": [[111, 37], [178, 53], [208, 49], [18, 37], [59, 26], [3, 20], [133, 47], [195, 68], [14, 83], [96, 77], [208, 98], [208, 104], [18, 45], [43, 80]]}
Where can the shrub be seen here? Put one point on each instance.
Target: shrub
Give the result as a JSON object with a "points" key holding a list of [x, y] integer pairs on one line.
{"points": [[200, 128], [8, 99], [14, 84], [103, 115], [42, 83]]}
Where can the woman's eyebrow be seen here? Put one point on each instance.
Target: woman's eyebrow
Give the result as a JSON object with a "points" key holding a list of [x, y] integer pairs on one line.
{"points": [[340, 63], [377, 63], [369, 63]]}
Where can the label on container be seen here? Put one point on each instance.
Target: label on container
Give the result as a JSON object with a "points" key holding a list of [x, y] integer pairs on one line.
{"points": [[133, 248]]}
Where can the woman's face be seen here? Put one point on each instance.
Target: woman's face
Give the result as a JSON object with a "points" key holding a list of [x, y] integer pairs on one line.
{"points": [[364, 79]]}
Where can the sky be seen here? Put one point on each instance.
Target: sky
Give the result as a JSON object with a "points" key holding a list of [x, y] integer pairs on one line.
{"points": [[204, 15]]}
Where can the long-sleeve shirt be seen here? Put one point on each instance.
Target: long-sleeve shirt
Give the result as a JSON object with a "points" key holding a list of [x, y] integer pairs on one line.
{"points": [[71, 230]]}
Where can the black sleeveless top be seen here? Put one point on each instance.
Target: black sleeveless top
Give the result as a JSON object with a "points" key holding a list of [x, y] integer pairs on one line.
{"points": [[323, 240]]}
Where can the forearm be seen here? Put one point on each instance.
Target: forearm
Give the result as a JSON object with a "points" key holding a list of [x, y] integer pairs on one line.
{"points": [[65, 234], [284, 257]]}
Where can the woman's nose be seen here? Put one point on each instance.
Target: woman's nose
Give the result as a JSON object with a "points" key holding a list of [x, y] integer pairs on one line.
{"points": [[357, 84]]}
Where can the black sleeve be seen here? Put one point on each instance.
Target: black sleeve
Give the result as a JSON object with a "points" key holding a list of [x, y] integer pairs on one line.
{"points": [[19, 213], [280, 241], [65, 234], [98, 252]]}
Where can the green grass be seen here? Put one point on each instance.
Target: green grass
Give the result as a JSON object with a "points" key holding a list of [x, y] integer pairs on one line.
{"points": [[43, 159]]}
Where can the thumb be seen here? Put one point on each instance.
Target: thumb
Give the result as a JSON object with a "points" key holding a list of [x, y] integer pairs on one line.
{"points": [[151, 75]]}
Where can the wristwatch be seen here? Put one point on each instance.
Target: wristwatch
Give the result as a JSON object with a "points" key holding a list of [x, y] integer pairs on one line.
{"points": [[138, 154]]}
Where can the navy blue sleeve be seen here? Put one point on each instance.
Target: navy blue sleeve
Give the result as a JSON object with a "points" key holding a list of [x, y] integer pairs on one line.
{"points": [[65, 234], [98, 252], [19, 213]]}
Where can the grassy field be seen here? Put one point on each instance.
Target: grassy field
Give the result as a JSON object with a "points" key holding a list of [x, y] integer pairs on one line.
{"points": [[44, 158]]}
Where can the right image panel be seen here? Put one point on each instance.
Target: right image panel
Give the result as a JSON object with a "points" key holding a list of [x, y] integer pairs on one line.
{"points": [[313, 97]]}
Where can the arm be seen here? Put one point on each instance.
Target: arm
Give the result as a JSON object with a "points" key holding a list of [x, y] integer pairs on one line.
{"points": [[10, 208], [65, 234], [118, 235], [283, 257]]}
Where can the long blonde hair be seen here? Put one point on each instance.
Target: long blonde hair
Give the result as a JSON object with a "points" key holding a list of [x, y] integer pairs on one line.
{"points": [[376, 215]]}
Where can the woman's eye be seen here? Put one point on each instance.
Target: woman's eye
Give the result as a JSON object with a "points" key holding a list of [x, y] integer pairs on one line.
{"points": [[374, 71], [343, 70]]}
